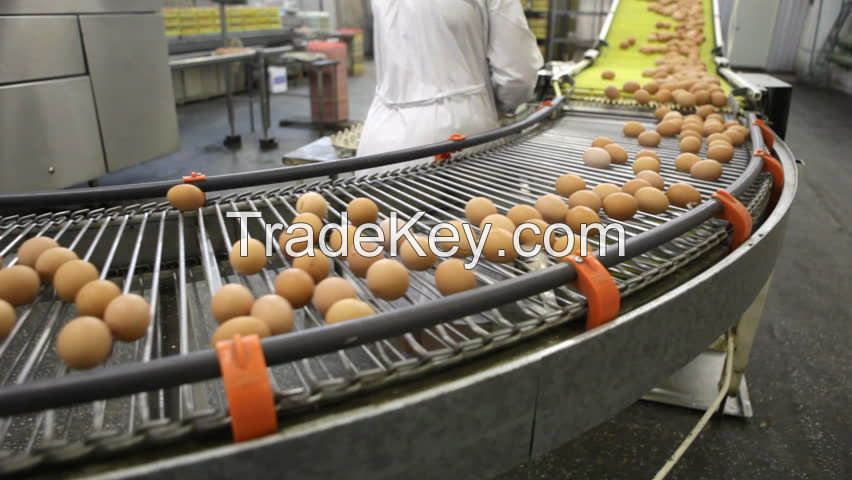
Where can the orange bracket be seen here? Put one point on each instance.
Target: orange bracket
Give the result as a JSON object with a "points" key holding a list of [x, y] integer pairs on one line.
{"points": [[774, 167], [737, 215], [456, 137], [544, 104], [195, 177], [601, 292], [247, 387], [766, 132]]}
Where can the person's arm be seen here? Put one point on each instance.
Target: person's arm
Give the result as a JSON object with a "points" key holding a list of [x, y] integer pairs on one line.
{"points": [[513, 54]]}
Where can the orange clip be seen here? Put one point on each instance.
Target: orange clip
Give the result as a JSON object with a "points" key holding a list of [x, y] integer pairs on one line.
{"points": [[601, 292], [195, 177], [456, 137], [774, 167], [766, 132], [247, 387], [737, 215]]}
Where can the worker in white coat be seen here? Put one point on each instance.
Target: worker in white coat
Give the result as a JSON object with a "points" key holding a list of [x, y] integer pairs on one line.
{"points": [[445, 67]]}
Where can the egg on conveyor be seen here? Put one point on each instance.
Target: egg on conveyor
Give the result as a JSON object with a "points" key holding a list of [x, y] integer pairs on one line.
{"points": [[93, 298], [83, 343], [309, 224], [388, 279], [317, 265], [652, 200], [523, 213], [50, 261], [649, 138], [646, 163], [633, 129], [19, 285], [335, 240], [653, 178], [359, 264], [7, 318], [601, 142], [30, 250], [579, 216], [275, 311], [612, 92], [72, 276], [551, 207], [596, 157], [647, 153], [385, 227], [683, 195], [708, 170], [478, 208], [690, 145], [296, 286], [617, 153], [362, 210], [499, 247], [604, 190], [685, 161], [348, 309], [528, 235], [630, 187], [232, 300], [186, 197], [498, 221], [584, 198], [312, 202], [255, 258], [451, 277], [244, 326], [568, 184], [720, 152], [464, 241], [620, 206], [128, 317], [642, 96], [329, 291], [607, 75], [413, 260]]}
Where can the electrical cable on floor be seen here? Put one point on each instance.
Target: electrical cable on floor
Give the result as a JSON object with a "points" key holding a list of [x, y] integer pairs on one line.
{"points": [[723, 392]]}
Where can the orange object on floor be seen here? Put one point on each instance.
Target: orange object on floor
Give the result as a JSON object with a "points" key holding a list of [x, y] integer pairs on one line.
{"points": [[247, 388]]}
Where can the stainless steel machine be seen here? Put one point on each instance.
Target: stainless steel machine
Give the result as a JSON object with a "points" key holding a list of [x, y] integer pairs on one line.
{"points": [[432, 386], [85, 89]]}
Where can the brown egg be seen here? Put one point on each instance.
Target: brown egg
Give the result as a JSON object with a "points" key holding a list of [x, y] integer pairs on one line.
{"points": [[607, 75], [19, 285], [663, 96], [673, 115], [668, 128], [388, 279], [646, 163], [296, 286], [736, 138], [30, 250], [651, 200], [362, 210], [359, 264], [711, 128], [686, 100], [567, 184], [478, 208], [585, 198], [499, 247], [601, 142], [50, 261], [275, 312], [617, 153], [348, 309], [579, 216], [647, 153], [93, 298], [661, 112], [385, 227], [683, 195], [312, 202], [186, 197], [71, 277], [718, 99], [633, 129], [335, 240], [690, 145], [560, 246], [720, 153], [611, 92], [128, 317], [255, 258], [688, 132], [730, 123], [702, 97], [317, 265], [720, 137], [551, 207], [524, 213], [685, 161], [596, 157], [709, 170], [630, 86], [451, 277], [528, 235], [620, 206], [604, 190], [464, 241], [498, 221], [705, 110], [330, 290], [651, 88], [294, 243], [649, 138], [310, 223], [231, 300], [244, 326], [632, 186], [642, 97], [414, 261], [83, 343], [653, 178], [7, 318]]}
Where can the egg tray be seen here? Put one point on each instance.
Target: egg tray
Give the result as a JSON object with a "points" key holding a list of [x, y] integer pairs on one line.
{"points": [[177, 261]]}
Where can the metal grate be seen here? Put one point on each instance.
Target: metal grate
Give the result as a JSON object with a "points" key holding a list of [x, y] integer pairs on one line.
{"points": [[177, 262]]}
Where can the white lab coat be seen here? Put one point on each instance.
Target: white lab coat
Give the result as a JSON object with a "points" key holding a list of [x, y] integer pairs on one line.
{"points": [[444, 67]]}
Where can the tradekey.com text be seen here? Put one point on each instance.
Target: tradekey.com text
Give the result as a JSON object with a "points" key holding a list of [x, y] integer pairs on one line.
{"points": [[444, 240]]}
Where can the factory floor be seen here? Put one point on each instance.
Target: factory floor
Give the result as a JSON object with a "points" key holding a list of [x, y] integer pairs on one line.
{"points": [[799, 376]]}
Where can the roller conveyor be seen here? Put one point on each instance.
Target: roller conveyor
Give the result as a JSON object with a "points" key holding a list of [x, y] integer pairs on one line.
{"points": [[345, 384]]}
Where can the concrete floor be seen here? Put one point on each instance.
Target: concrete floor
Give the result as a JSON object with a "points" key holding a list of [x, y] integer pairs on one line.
{"points": [[799, 377]]}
